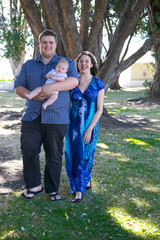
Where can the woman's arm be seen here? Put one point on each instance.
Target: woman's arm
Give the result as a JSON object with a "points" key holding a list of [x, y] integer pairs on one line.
{"points": [[96, 117]]}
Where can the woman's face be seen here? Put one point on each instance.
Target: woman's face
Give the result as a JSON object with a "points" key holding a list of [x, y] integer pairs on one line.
{"points": [[84, 64]]}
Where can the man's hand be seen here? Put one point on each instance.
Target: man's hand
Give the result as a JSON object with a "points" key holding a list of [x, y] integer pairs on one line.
{"points": [[40, 97]]}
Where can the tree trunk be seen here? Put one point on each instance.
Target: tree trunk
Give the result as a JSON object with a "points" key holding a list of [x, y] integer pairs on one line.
{"points": [[70, 27], [33, 18], [115, 84], [50, 22], [153, 9], [84, 23], [155, 87], [127, 23], [59, 16], [94, 44], [16, 65]]}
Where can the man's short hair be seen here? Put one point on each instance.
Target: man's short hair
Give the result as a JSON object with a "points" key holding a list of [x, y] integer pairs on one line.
{"points": [[47, 32]]}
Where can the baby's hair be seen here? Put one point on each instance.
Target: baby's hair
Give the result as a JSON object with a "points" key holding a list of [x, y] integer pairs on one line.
{"points": [[62, 60]]}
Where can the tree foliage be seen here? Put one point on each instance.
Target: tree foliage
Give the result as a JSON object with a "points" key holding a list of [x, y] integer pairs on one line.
{"points": [[13, 33]]}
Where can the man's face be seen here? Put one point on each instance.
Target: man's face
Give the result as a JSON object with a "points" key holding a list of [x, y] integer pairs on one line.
{"points": [[48, 46]]}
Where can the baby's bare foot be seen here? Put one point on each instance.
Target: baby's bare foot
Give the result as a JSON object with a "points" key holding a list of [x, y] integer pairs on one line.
{"points": [[44, 106], [28, 96]]}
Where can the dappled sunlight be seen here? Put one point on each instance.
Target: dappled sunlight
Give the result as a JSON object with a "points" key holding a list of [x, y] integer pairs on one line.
{"points": [[5, 131], [9, 234], [140, 227], [109, 103], [134, 89], [140, 203], [118, 156], [8, 123], [102, 145], [151, 129], [135, 181], [154, 121], [113, 111], [152, 188], [137, 141], [12, 109], [146, 187]]}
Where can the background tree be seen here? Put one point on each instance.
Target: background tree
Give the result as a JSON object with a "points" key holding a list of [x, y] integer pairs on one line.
{"points": [[127, 23], [87, 32], [154, 25], [111, 18], [13, 33], [60, 17]]}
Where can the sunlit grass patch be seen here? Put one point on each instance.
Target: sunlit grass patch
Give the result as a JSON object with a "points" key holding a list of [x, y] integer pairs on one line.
{"points": [[144, 141], [141, 203], [152, 188], [136, 141], [122, 110], [139, 226], [10, 234], [102, 145]]}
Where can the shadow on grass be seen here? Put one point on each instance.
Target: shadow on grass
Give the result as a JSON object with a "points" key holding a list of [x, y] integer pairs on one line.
{"points": [[40, 219]]}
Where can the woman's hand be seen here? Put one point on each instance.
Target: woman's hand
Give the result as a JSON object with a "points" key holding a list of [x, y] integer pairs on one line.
{"points": [[87, 136]]}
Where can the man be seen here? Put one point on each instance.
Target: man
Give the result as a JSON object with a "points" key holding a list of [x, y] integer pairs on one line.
{"points": [[39, 126]]}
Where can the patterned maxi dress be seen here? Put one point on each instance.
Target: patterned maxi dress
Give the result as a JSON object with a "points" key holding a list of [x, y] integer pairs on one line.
{"points": [[78, 155]]}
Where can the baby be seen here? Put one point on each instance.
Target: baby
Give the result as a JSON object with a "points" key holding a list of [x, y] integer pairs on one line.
{"points": [[59, 74]]}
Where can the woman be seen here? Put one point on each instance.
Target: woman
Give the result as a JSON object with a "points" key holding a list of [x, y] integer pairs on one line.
{"points": [[82, 134]]}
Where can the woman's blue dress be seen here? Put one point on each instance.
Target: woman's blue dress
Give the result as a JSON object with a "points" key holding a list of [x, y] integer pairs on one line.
{"points": [[78, 155]]}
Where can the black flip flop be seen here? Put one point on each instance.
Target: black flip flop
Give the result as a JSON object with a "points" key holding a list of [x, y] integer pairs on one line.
{"points": [[55, 199], [35, 193]]}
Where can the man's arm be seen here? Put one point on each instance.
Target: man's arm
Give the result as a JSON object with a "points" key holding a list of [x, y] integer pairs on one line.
{"points": [[21, 91], [66, 85]]}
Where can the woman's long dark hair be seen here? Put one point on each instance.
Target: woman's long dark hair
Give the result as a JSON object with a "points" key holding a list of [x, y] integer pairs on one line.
{"points": [[94, 69]]}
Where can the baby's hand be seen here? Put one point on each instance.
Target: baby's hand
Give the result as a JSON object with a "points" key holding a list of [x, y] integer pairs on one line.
{"points": [[49, 75]]}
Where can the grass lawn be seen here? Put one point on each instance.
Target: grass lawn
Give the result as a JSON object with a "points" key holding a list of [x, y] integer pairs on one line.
{"points": [[124, 202]]}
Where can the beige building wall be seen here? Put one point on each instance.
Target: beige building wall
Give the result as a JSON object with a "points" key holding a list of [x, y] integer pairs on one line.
{"points": [[140, 71]]}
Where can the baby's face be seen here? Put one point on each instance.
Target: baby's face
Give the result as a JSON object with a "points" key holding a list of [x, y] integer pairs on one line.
{"points": [[61, 68]]}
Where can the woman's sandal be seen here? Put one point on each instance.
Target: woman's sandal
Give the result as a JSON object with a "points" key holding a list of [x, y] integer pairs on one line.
{"points": [[78, 200], [53, 195], [89, 187]]}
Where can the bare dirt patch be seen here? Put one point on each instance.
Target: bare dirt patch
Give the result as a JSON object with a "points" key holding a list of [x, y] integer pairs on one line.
{"points": [[11, 177]]}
